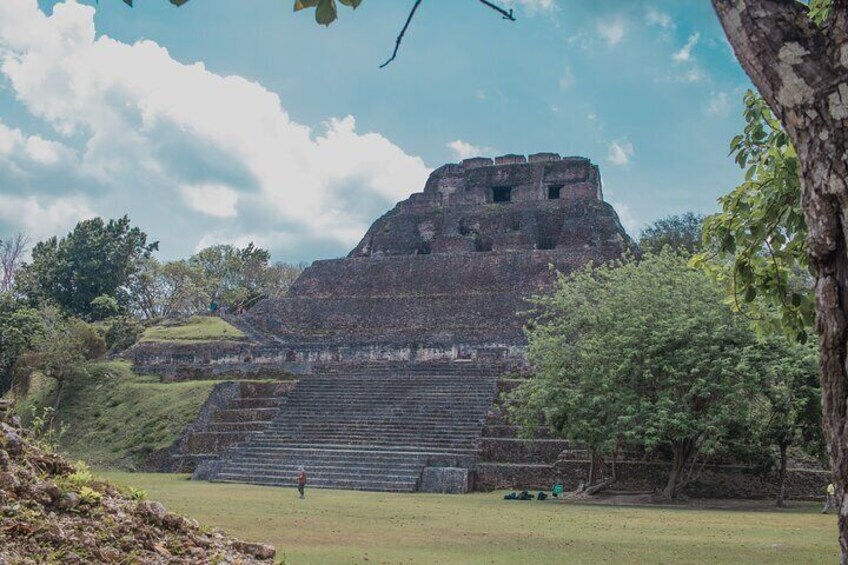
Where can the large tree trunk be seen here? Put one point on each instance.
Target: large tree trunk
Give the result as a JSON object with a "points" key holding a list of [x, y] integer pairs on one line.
{"points": [[683, 453], [781, 480], [802, 72]]}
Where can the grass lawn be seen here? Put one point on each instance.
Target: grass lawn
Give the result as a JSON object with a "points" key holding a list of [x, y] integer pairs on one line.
{"points": [[345, 527], [192, 330]]}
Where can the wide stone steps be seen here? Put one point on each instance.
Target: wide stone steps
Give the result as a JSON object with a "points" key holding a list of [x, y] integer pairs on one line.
{"points": [[266, 402], [412, 441], [347, 484], [245, 414], [370, 429]]}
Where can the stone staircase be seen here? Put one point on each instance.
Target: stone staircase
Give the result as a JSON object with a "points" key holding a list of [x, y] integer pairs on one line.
{"points": [[371, 428], [234, 411]]}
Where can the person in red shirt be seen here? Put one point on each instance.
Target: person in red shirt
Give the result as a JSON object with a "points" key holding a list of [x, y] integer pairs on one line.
{"points": [[301, 480]]}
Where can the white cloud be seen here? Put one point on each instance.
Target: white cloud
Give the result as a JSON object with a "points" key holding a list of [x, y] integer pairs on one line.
{"points": [[19, 151], [566, 79], [146, 126], [654, 17], [625, 215], [719, 104], [40, 220], [464, 150], [581, 39], [611, 30], [685, 52], [620, 152], [211, 199], [592, 116]]}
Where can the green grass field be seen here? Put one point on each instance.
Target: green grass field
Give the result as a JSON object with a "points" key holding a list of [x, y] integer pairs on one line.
{"points": [[345, 527], [193, 330]]}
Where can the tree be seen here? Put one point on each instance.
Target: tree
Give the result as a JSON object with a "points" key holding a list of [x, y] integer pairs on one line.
{"points": [[12, 253], [231, 276], [786, 409], [238, 277], [20, 325], [59, 352], [677, 378], [96, 259], [681, 232]]}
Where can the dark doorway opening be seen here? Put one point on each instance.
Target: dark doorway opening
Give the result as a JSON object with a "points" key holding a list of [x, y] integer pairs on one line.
{"points": [[546, 242], [554, 192], [502, 194]]}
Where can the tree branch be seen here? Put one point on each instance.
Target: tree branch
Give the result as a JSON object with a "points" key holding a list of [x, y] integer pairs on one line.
{"points": [[402, 32], [507, 15]]}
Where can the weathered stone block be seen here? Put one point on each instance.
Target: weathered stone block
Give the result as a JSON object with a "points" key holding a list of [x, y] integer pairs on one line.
{"points": [[445, 480], [511, 159]]}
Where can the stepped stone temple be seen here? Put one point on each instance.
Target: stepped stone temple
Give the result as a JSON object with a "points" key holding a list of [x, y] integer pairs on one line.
{"points": [[388, 362]]}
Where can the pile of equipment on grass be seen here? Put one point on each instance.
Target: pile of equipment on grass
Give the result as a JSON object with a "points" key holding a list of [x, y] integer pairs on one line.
{"points": [[524, 495], [556, 491], [54, 512]]}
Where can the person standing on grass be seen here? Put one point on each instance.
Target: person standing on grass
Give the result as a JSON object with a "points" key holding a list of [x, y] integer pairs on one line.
{"points": [[301, 480], [828, 499]]}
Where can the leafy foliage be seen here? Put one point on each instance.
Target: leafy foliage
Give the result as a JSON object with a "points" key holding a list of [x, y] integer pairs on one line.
{"points": [[680, 232], [96, 260], [757, 242], [676, 378], [20, 326], [231, 276]]}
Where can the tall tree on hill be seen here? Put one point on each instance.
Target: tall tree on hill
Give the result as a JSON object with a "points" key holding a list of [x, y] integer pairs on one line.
{"points": [[96, 259]]}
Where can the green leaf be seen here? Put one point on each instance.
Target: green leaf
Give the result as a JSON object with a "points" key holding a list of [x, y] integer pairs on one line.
{"points": [[303, 4], [325, 12]]}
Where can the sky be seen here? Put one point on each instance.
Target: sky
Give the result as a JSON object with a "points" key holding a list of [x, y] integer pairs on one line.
{"points": [[232, 122]]}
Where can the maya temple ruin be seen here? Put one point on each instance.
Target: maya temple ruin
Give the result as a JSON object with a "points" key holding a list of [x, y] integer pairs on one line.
{"points": [[382, 370]]}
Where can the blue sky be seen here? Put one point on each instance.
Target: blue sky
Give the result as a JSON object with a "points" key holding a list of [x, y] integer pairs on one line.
{"points": [[229, 121]]}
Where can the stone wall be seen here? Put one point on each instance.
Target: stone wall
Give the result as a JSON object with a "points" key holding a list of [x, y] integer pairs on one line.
{"points": [[716, 481]]}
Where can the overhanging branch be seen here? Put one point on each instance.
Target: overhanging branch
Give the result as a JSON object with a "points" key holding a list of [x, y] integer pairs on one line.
{"points": [[507, 15]]}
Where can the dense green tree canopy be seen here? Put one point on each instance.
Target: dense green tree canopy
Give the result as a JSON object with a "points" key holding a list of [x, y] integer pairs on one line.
{"points": [[642, 352], [96, 259], [680, 232], [20, 327]]}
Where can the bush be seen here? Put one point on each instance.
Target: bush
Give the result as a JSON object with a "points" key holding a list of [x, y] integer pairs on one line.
{"points": [[123, 333], [90, 338]]}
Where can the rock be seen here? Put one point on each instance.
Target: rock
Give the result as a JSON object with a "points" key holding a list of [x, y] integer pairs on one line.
{"points": [[258, 550], [5, 460], [13, 442], [69, 501], [110, 554], [8, 481], [173, 521], [153, 511]]}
